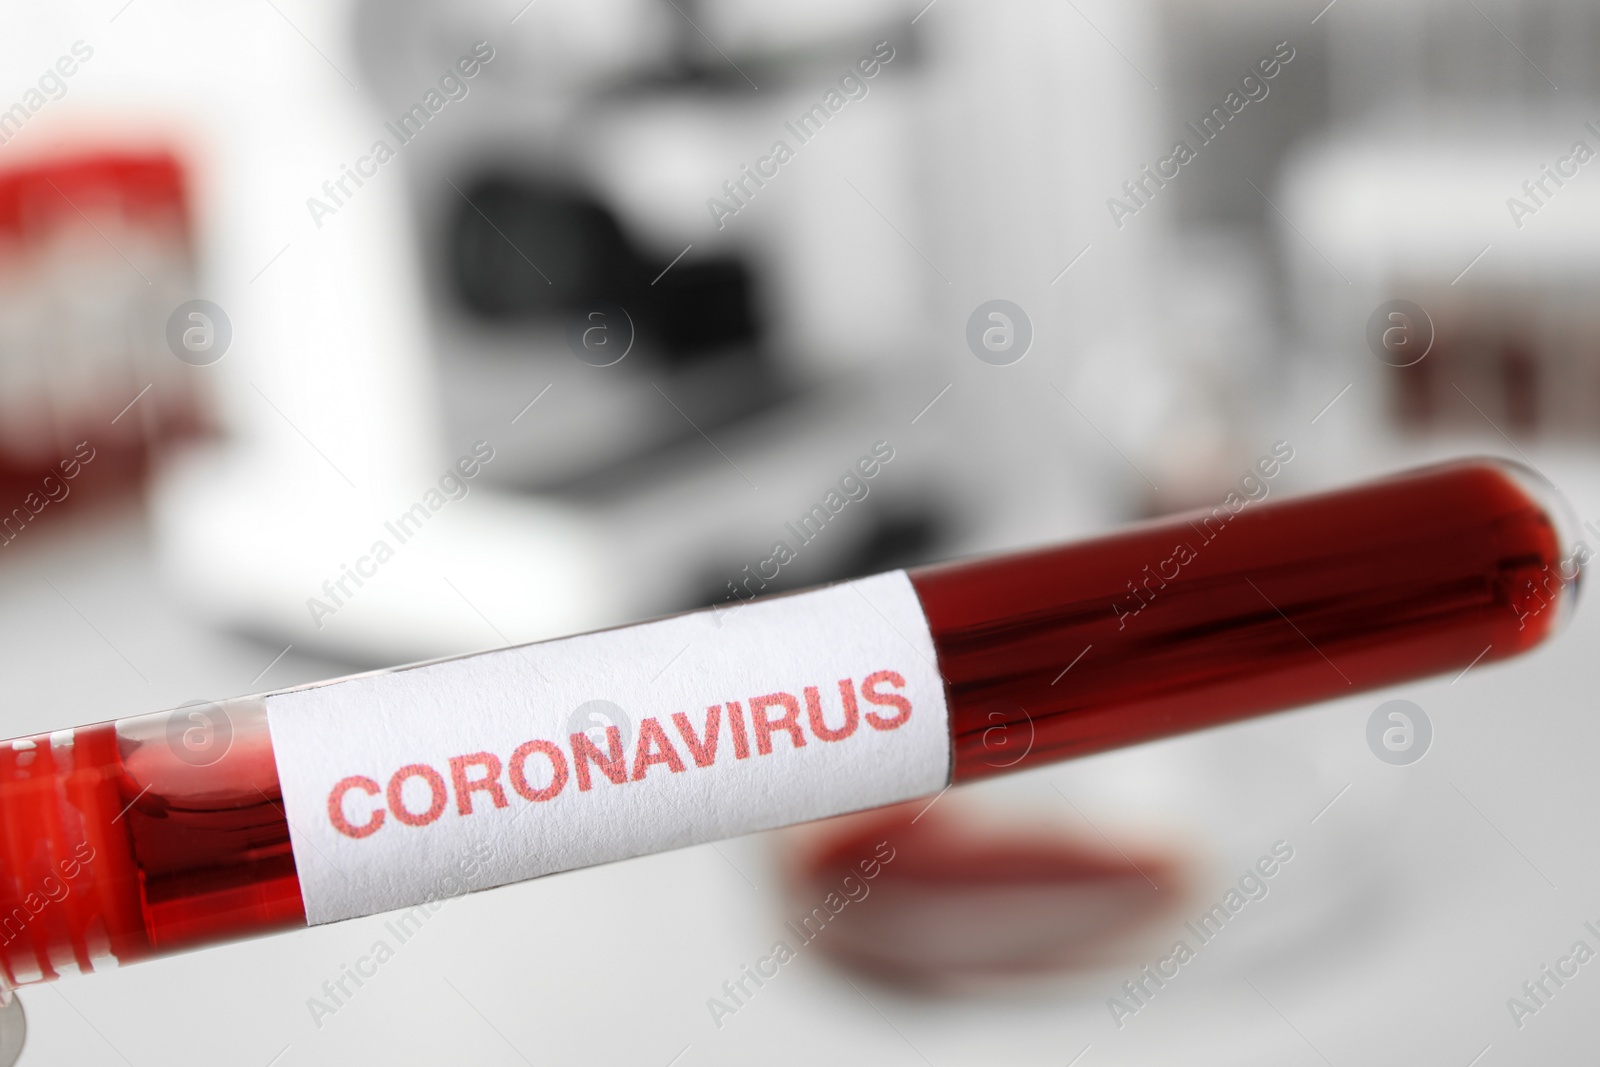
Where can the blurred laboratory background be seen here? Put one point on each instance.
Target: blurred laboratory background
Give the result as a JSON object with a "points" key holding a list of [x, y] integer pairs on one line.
{"points": [[667, 269]]}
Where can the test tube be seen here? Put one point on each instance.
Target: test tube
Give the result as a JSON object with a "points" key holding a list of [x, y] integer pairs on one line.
{"points": [[162, 832]]}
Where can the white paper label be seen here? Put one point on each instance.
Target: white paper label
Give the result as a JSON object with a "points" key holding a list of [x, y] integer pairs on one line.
{"points": [[422, 783]]}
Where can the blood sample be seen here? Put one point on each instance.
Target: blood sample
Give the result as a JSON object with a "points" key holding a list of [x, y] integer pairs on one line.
{"points": [[1283, 604], [161, 832]]}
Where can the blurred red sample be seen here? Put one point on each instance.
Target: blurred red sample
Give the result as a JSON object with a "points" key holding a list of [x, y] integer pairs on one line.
{"points": [[962, 898], [96, 251]]}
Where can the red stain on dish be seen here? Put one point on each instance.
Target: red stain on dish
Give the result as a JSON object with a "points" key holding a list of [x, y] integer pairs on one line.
{"points": [[931, 897]]}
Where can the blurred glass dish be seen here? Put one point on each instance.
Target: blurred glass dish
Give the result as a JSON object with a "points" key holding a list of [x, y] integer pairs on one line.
{"points": [[1090, 872]]}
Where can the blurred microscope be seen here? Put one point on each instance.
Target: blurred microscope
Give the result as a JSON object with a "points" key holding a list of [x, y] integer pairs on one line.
{"points": [[642, 338]]}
